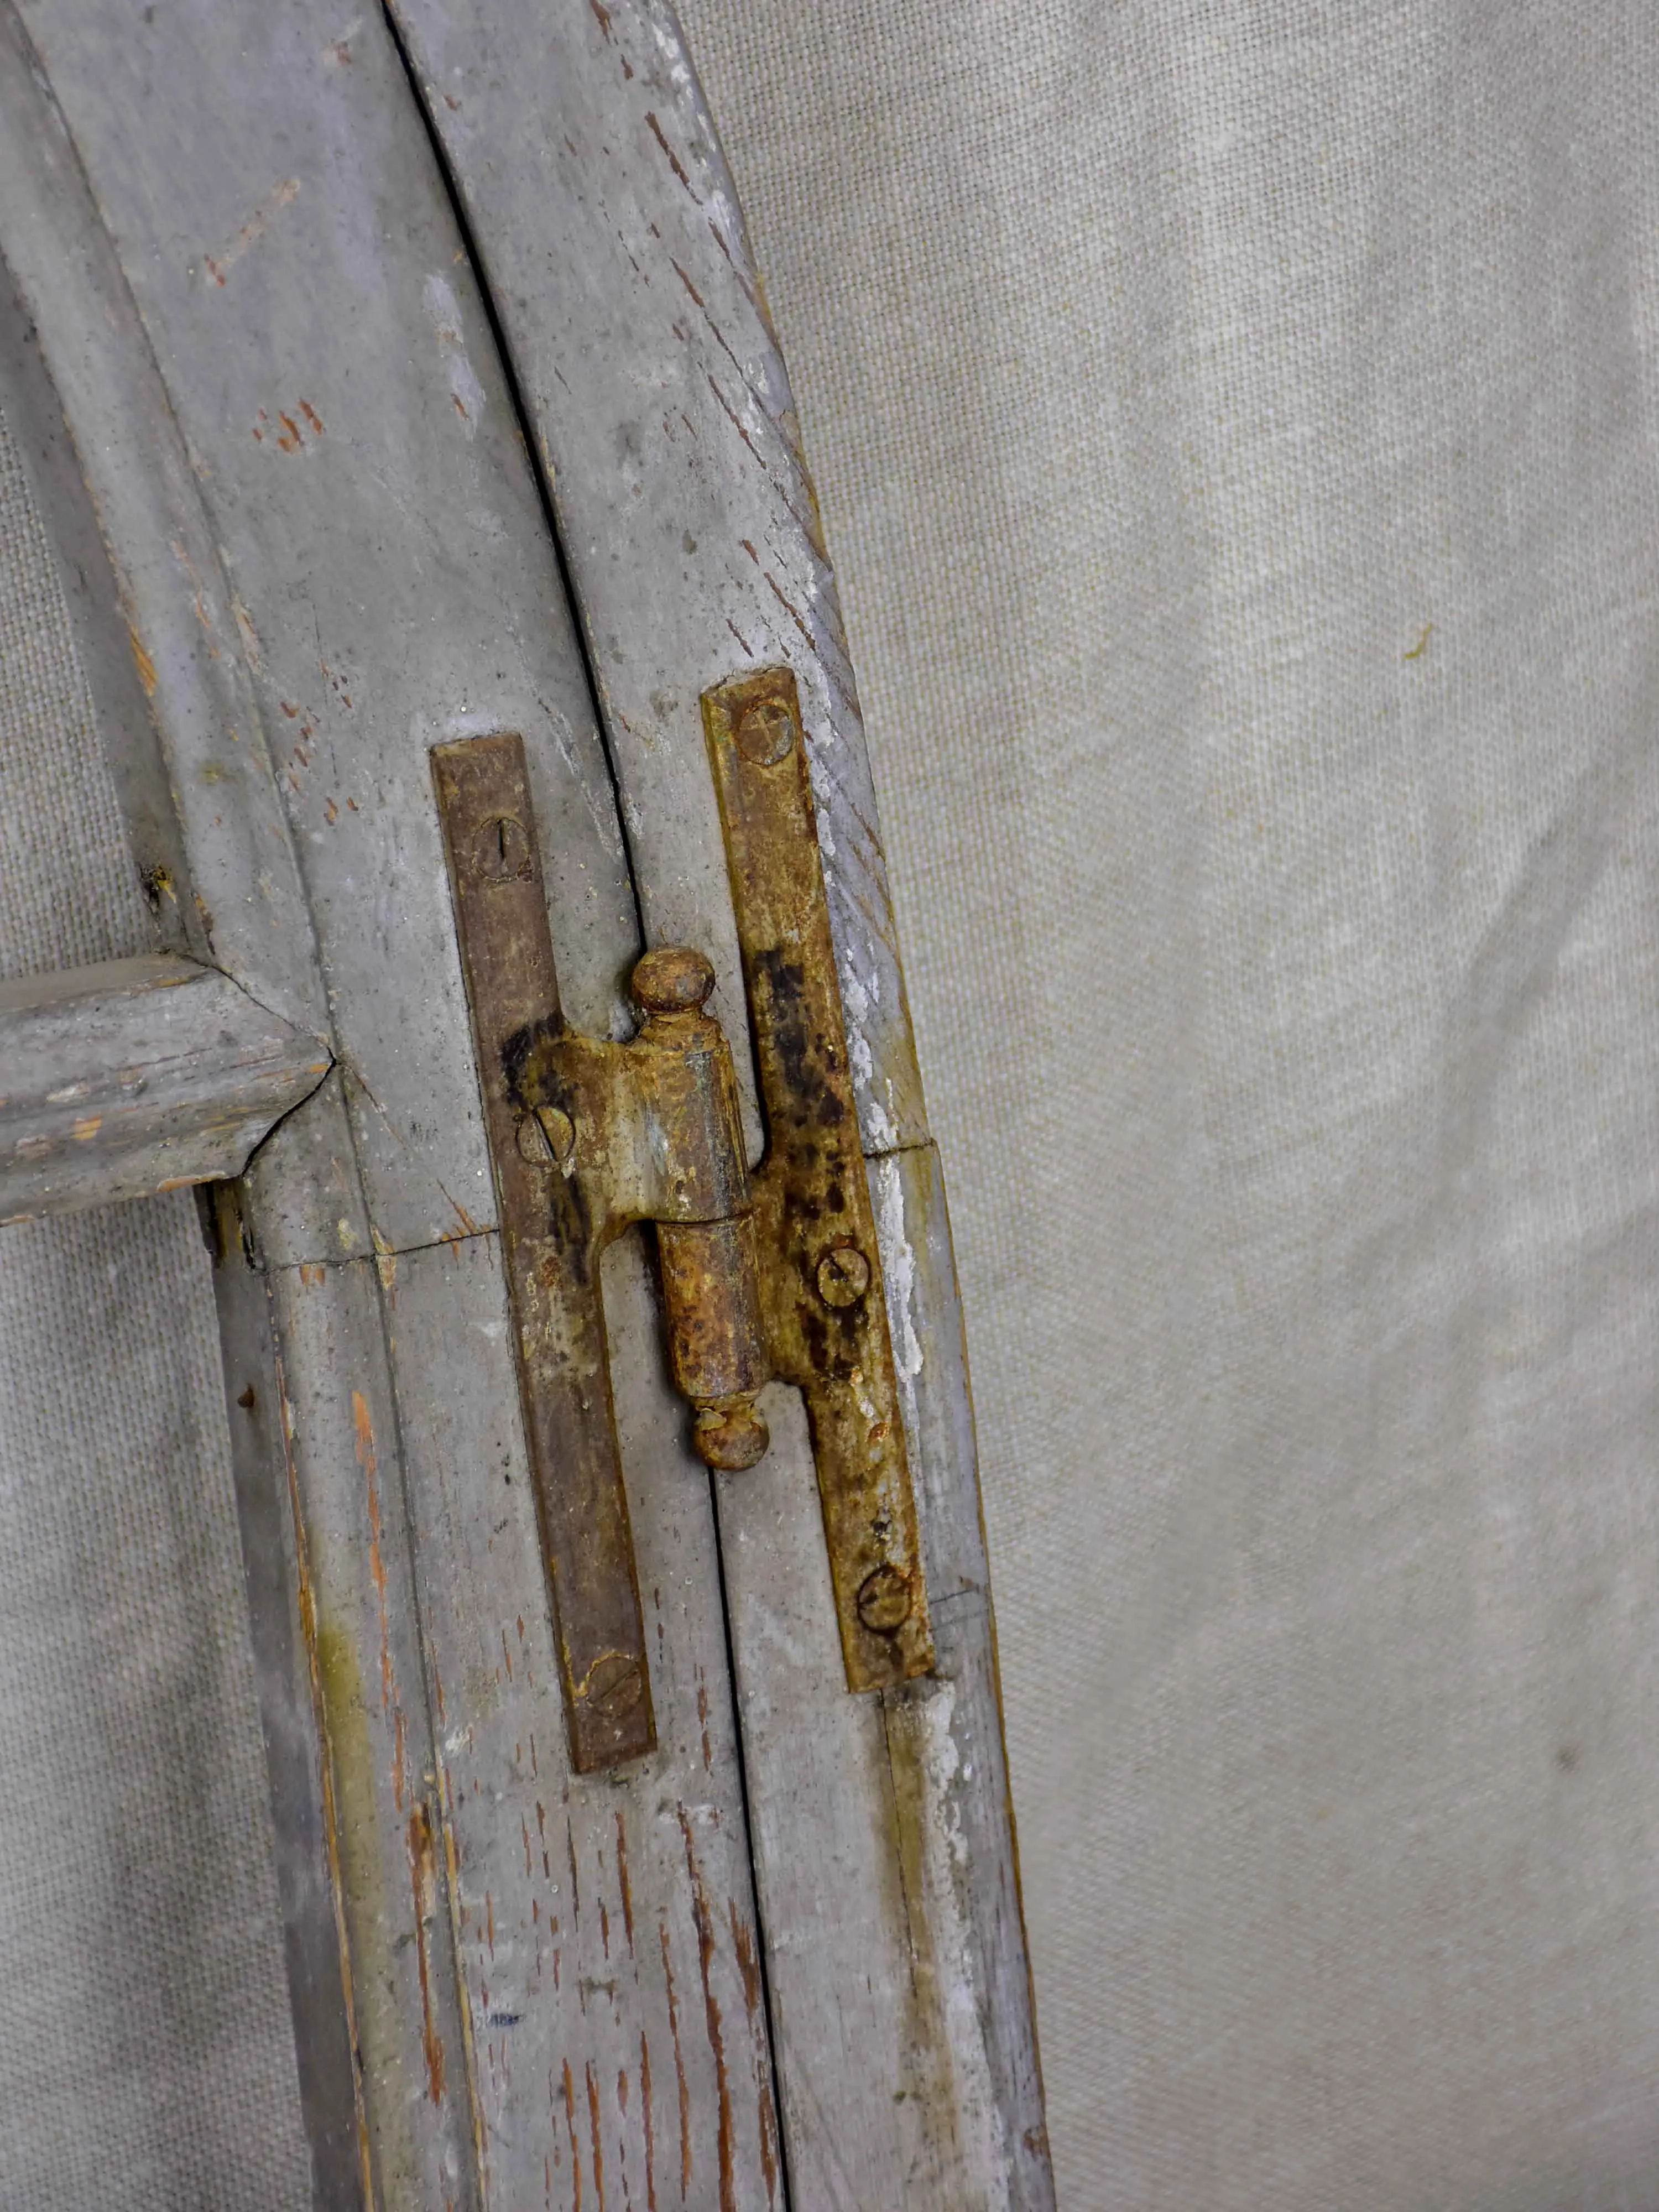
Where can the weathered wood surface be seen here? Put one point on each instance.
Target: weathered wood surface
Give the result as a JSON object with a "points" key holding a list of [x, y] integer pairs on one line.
{"points": [[608, 1946], [881, 1828], [131, 1077], [91, 421], [192, 765], [379, 577], [607, 225], [383, 572], [282, 1619], [339, 1420], [605, 218]]}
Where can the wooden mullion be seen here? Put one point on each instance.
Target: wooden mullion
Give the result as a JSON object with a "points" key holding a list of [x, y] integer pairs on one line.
{"points": [[131, 1077]]}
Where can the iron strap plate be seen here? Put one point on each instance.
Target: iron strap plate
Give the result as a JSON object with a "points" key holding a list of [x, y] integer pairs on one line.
{"points": [[822, 1305], [551, 1250]]}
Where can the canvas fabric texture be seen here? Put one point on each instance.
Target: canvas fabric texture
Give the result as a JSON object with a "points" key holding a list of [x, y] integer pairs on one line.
{"points": [[1236, 425], [146, 2049]]}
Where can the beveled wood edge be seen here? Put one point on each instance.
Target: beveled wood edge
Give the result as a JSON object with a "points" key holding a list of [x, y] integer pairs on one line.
{"points": [[127, 1077]]}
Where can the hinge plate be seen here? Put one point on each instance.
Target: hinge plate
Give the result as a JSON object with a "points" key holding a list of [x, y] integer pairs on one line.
{"points": [[821, 1294], [550, 1254]]}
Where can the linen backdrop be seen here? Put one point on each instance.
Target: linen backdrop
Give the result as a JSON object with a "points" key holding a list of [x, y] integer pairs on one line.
{"points": [[1236, 426], [1235, 423]]}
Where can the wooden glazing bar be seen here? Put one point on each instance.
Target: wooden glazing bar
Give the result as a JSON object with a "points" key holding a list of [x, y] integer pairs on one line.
{"points": [[129, 1077]]}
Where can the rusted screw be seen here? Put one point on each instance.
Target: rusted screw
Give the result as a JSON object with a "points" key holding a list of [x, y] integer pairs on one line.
{"points": [[533, 1142], [843, 1275], [546, 1137], [612, 1685], [884, 1600], [673, 980], [560, 1131], [502, 850], [766, 732]]}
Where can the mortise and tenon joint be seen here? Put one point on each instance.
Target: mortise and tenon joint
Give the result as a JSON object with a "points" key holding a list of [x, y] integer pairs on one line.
{"points": [[773, 1273]]}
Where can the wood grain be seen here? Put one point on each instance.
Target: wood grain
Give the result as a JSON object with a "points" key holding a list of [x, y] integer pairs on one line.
{"points": [[391, 584]]}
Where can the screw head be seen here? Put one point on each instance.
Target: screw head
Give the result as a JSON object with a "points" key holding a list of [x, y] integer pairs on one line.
{"points": [[766, 732], [843, 1275], [546, 1137], [675, 979], [884, 1600], [533, 1142], [612, 1685], [500, 852]]}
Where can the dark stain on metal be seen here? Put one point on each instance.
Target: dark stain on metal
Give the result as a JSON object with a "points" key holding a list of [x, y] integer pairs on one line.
{"points": [[843, 1274]]}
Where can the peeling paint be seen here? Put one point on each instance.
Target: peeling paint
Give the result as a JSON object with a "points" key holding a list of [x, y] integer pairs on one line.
{"points": [[926, 1769], [899, 1262]]}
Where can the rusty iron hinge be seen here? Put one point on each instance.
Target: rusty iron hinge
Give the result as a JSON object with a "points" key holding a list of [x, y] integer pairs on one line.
{"points": [[773, 1273]]}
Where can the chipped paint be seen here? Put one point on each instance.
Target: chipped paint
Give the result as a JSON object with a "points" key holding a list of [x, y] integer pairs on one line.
{"points": [[649, 2126], [967, 2134], [142, 662], [687, 2163], [466, 394], [713, 2020], [249, 636], [423, 1883], [332, 1684], [899, 1260]]}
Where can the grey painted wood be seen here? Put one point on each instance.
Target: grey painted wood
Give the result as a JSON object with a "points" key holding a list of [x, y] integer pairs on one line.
{"points": [[103, 644], [91, 420], [945, 1740], [419, 596], [387, 577], [340, 1418], [604, 215], [202, 760], [393, 585], [135, 1076], [610, 1959], [606, 220], [281, 1620]]}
